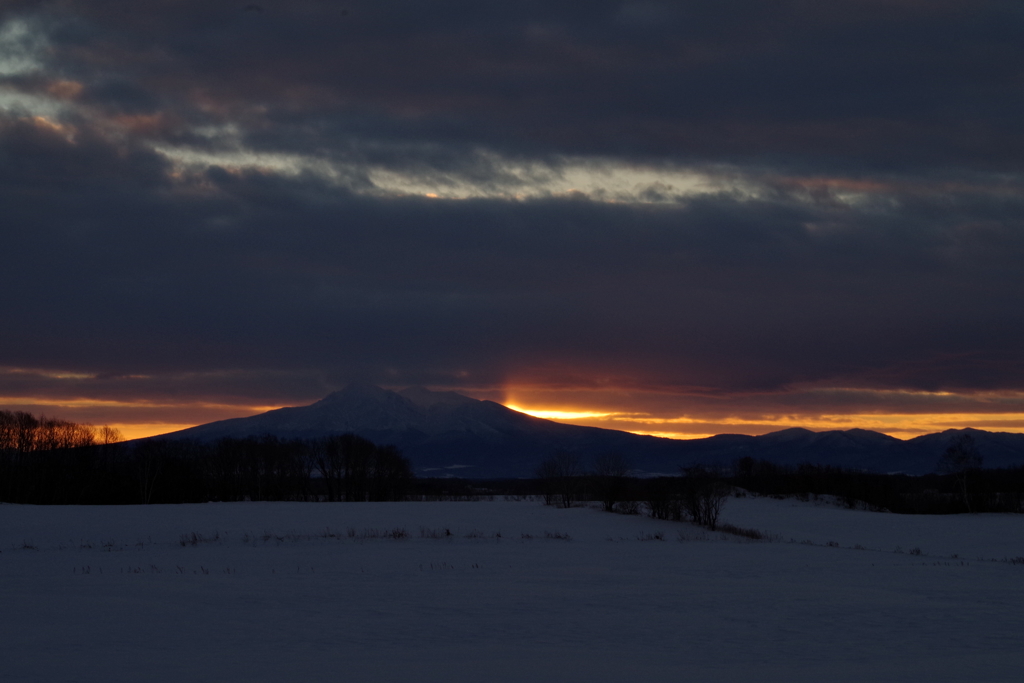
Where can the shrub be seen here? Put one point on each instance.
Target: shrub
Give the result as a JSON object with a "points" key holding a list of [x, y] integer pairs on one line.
{"points": [[752, 534], [705, 495]]}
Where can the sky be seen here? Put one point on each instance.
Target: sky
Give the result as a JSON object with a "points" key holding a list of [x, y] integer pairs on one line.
{"points": [[675, 218]]}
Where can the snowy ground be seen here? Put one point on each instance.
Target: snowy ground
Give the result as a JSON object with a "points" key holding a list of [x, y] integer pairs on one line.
{"points": [[517, 592]]}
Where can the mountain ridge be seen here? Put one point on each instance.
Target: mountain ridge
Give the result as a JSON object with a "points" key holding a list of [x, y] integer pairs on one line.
{"points": [[445, 433]]}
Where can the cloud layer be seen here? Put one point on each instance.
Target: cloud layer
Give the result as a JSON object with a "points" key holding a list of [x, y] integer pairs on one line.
{"points": [[720, 211]]}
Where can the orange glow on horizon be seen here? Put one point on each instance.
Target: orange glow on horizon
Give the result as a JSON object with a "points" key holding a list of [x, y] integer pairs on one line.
{"points": [[141, 430], [134, 419], [558, 414], [898, 425], [678, 436], [639, 413]]}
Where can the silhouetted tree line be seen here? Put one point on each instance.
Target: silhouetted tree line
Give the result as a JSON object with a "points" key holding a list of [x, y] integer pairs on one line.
{"points": [[700, 492], [39, 468], [974, 490], [25, 433], [453, 489], [697, 495], [959, 485], [31, 470], [51, 461]]}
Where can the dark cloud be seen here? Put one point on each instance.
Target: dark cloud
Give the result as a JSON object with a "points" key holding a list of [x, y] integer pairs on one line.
{"points": [[837, 85], [879, 248]]}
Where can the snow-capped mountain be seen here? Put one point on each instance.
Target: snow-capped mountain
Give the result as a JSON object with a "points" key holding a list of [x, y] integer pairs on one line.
{"points": [[442, 432]]}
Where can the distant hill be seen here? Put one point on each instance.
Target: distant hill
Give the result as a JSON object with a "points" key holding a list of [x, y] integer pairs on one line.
{"points": [[448, 434]]}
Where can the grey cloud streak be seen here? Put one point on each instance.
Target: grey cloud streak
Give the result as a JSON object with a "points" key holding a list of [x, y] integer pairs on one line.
{"points": [[879, 250], [845, 85]]}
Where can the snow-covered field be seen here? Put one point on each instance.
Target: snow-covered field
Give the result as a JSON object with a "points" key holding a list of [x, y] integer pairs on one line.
{"points": [[516, 592]]}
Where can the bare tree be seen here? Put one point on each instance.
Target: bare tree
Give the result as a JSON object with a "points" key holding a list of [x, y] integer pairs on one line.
{"points": [[562, 476], [328, 459], [610, 470], [148, 460], [705, 495], [353, 468], [110, 435], [961, 459], [664, 498], [390, 475]]}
